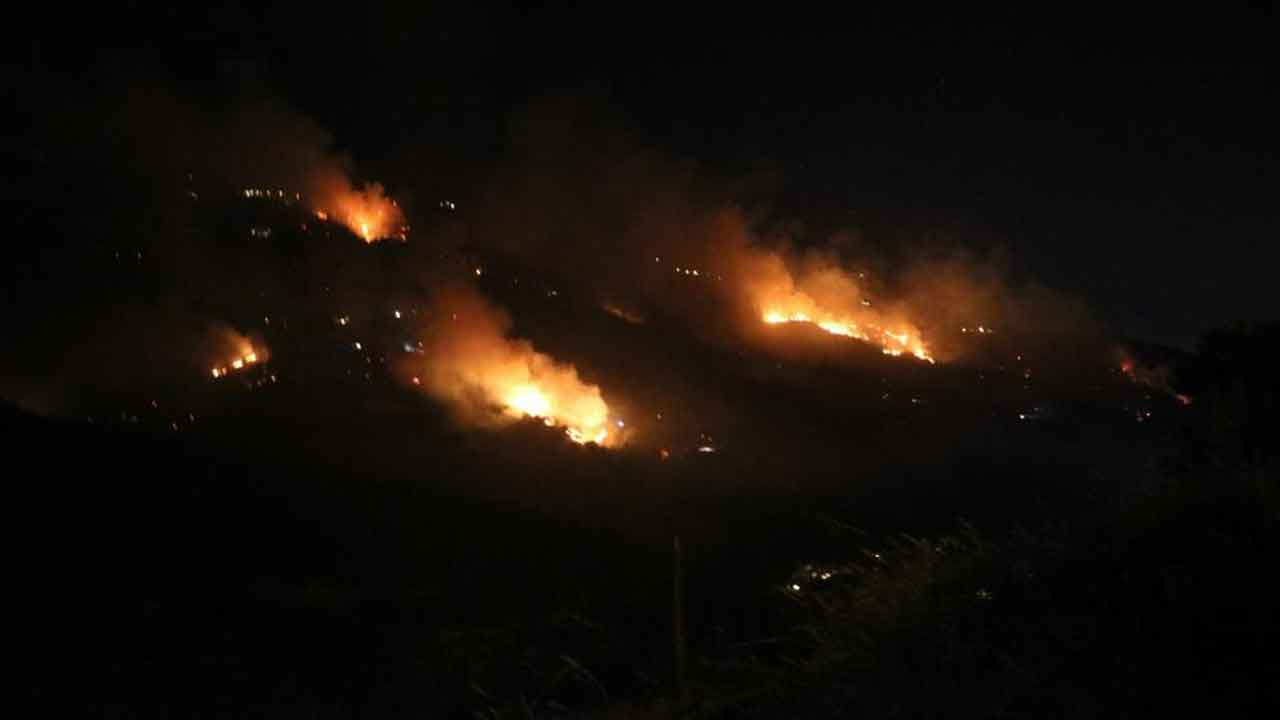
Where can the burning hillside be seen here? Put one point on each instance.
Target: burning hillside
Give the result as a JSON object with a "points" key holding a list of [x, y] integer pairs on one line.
{"points": [[824, 295], [235, 353], [367, 211], [489, 378]]}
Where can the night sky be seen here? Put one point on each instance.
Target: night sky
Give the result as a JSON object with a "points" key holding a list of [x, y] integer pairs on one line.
{"points": [[1127, 160]]}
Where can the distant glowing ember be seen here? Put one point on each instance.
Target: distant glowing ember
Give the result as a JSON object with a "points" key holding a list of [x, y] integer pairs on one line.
{"points": [[1157, 378], [248, 356]]}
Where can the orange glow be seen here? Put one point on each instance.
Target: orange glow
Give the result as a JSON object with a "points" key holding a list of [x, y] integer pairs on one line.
{"points": [[818, 292], [245, 355], [491, 379], [367, 212], [577, 408], [529, 400], [1157, 378], [906, 340]]}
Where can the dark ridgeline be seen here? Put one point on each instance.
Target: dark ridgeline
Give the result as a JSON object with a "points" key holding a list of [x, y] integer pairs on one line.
{"points": [[1026, 531]]}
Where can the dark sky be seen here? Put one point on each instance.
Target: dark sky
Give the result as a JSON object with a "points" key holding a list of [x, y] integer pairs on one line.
{"points": [[1130, 160]]}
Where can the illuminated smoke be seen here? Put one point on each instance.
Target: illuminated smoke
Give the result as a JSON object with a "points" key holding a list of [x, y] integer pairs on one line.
{"points": [[235, 352], [366, 211], [491, 379], [816, 291]]}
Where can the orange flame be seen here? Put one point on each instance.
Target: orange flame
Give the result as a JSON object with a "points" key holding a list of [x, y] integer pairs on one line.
{"points": [[490, 378], [367, 212], [242, 355], [828, 298]]}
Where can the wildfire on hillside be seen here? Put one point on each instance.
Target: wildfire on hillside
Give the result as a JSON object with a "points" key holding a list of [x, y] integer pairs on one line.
{"points": [[828, 297], [488, 378]]}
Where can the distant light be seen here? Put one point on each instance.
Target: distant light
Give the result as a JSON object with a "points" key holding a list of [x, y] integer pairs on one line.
{"points": [[479, 272], [237, 363], [795, 587], [359, 346], [217, 373], [706, 449], [621, 424], [251, 358], [416, 380]]}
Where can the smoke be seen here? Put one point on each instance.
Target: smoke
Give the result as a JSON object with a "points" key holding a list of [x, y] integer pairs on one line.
{"points": [[143, 254], [118, 353], [580, 200], [490, 379], [166, 139]]}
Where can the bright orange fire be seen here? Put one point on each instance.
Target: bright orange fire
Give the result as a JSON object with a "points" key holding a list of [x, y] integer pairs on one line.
{"points": [[367, 212], [247, 356], [829, 298], [490, 378], [531, 401]]}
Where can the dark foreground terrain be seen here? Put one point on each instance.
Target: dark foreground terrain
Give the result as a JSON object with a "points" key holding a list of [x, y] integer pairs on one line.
{"points": [[364, 558]]}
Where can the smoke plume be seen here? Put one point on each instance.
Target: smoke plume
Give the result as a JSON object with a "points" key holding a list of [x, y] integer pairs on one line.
{"points": [[489, 378]]}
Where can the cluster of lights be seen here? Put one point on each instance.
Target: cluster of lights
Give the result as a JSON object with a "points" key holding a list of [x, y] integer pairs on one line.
{"points": [[278, 193], [249, 358], [694, 272]]}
